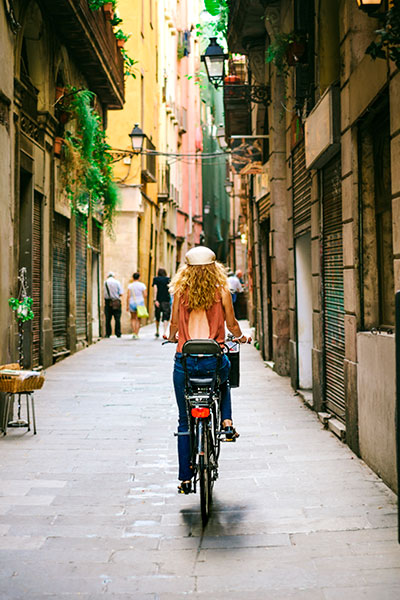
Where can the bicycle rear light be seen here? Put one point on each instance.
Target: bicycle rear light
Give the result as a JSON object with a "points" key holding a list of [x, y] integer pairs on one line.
{"points": [[200, 413]]}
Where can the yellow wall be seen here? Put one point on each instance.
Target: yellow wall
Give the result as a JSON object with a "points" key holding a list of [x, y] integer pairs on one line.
{"points": [[141, 106]]}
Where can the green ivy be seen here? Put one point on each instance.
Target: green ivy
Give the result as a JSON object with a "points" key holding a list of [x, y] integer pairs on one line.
{"points": [[277, 52], [23, 308], [388, 36], [86, 166]]}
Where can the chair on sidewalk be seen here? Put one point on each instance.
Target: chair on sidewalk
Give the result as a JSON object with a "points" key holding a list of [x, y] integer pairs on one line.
{"points": [[13, 386]]}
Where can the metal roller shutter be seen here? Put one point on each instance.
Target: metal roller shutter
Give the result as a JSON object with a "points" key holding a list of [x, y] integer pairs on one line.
{"points": [[333, 290], [81, 280], [60, 283], [301, 191], [36, 278]]}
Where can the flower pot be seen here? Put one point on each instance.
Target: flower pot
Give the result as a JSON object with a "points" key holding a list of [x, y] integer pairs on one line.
{"points": [[232, 80], [60, 92], [64, 116], [120, 43], [296, 53], [108, 10], [58, 142]]}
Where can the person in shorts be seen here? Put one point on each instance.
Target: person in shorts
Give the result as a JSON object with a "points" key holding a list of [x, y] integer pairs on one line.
{"points": [[162, 301], [136, 295]]}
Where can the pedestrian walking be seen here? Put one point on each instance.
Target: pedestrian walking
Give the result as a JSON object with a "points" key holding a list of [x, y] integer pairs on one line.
{"points": [[235, 287], [162, 301], [135, 303], [112, 304], [202, 304]]}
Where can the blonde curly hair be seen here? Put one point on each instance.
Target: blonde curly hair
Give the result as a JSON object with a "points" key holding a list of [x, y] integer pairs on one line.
{"points": [[200, 284]]}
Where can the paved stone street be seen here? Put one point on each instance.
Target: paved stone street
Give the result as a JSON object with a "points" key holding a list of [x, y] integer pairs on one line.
{"points": [[88, 507]]}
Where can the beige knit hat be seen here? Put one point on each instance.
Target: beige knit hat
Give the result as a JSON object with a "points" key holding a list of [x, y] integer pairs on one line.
{"points": [[200, 255]]}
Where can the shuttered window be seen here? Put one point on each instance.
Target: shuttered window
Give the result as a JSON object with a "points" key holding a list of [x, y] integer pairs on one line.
{"points": [[60, 283], [36, 278], [81, 280], [333, 290], [301, 191]]}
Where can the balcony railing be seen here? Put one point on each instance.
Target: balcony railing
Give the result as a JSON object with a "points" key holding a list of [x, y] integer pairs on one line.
{"points": [[149, 163], [91, 40], [164, 183]]}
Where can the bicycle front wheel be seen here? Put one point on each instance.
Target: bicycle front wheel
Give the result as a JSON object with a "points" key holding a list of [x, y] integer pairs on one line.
{"points": [[205, 480]]}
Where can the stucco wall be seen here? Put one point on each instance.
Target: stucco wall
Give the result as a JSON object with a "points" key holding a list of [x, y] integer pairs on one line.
{"points": [[376, 403]]}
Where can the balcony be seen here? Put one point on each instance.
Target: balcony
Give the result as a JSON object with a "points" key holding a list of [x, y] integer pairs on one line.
{"points": [[90, 39], [149, 163], [164, 183], [182, 120]]}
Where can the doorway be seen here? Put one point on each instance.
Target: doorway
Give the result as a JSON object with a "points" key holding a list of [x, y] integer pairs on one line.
{"points": [[304, 310]]}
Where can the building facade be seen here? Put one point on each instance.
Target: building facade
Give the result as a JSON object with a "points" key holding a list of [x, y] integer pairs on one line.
{"points": [[160, 214], [324, 243], [42, 59]]}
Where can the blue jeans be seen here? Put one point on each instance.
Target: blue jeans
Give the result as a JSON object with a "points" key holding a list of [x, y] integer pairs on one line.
{"points": [[197, 367]]}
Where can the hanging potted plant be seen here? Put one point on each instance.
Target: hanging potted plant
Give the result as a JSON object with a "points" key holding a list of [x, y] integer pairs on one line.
{"points": [[57, 146], [121, 38], [108, 9], [232, 80]]}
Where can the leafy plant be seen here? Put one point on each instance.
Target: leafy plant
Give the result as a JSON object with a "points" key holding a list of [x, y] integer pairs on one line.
{"points": [[120, 35], [129, 64], [23, 308], [277, 52], [220, 9], [86, 166], [388, 36], [96, 4]]}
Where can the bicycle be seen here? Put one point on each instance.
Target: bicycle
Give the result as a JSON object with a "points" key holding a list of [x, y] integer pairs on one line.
{"points": [[203, 397]]}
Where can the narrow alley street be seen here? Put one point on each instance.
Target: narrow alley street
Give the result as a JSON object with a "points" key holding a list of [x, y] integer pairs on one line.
{"points": [[89, 509]]}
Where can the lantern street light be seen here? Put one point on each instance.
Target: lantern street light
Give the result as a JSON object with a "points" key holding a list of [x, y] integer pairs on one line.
{"points": [[228, 186], [137, 137], [369, 6], [214, 59]]}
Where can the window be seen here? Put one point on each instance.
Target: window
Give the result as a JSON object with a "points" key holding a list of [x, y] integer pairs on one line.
{"points": [[376, 218]]}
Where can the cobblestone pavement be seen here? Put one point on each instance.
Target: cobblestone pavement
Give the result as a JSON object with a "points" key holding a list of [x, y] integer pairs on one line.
{"points": [[89, 509]]}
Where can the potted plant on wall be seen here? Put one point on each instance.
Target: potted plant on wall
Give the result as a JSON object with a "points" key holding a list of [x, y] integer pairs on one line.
{"points": [[108, 9], [121, 38], [57, 146]]}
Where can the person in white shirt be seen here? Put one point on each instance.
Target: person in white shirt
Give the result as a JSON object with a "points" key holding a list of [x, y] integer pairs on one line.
{"points": [[112, 305], [137, 293], [235, 286]]}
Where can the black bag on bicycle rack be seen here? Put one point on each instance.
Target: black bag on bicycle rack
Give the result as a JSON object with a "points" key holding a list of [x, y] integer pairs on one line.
{"points": [[234, 358]]}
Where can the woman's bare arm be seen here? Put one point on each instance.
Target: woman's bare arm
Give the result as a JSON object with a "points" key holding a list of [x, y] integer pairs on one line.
{"points": [[230, 318]]}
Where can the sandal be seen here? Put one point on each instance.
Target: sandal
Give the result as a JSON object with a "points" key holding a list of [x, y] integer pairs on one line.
{"points": [[185, 487], [231, 434]]}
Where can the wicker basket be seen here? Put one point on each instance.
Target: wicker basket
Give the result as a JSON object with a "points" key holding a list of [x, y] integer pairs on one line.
{"points": [[12, 385]]}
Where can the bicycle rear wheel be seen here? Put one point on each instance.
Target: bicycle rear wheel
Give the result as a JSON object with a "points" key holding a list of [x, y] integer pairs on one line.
{"points": [[205, 477]]}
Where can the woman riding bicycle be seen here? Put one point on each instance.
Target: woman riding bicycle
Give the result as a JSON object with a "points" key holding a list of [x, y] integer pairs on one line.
{"points": [[202, 305]]}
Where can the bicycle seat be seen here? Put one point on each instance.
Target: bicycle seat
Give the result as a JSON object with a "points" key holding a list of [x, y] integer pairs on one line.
{"points": [[201, 381], [197, 347]]}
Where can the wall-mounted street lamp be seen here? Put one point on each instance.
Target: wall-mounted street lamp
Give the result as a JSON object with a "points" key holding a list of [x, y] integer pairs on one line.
{"points": [[369, 6], [137, 138], [228, 186], [214, 60]]}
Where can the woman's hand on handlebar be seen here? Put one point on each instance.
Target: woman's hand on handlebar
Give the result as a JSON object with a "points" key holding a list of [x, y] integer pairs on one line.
{"points": [[243, 339]]}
